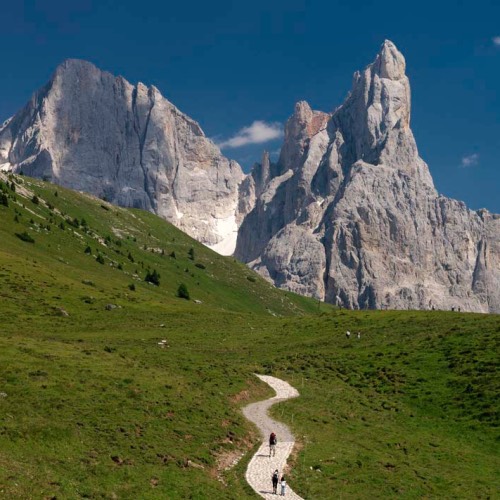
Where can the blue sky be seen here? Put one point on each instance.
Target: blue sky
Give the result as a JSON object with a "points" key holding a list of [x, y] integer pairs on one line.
{"points": [[229, 64]]}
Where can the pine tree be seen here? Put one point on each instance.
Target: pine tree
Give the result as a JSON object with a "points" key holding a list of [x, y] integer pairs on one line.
{"points": [[183, 292]]}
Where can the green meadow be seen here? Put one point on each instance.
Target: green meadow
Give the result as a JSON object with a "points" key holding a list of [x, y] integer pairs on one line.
{"points": [[93, 406]]}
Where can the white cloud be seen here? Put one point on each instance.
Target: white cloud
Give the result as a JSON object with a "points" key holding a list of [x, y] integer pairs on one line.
{"points": [[496, 40], [470, 161], [257, 133]]}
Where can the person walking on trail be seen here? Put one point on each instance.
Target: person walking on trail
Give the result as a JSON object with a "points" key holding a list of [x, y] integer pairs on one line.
{"points": [[283, 486], [348, 334], [272, 444], [275, 480]]}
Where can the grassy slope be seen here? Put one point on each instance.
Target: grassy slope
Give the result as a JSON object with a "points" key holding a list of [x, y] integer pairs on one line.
{"points": [[94, 408], [408, 410]]}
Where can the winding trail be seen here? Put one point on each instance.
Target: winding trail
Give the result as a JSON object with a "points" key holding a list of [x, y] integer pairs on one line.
{"points": [[261, 467]]}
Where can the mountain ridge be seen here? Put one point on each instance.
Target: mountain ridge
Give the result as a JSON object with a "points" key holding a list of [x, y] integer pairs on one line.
{"points": [[352, 215], [348, 214], [91, 131]]}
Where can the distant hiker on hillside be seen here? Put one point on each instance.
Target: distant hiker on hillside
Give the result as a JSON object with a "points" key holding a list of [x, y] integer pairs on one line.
{"points": [[348, 334], [283, 486], [359, 335], [272, 444], [275, 480]]}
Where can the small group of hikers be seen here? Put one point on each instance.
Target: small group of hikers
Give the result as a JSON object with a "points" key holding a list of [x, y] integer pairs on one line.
{"points": [[348, 334], [276, 479], [273, 440]]}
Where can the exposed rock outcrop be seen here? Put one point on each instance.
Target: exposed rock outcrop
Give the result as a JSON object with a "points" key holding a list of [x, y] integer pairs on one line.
{"points": [[350, 214], [94, 132]]}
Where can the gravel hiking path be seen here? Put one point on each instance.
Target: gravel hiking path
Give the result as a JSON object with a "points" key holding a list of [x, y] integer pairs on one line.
{"points": [[261, 467]]}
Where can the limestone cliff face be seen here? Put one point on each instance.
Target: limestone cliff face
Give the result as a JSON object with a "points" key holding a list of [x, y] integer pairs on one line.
{"points": [[94, 132], [350, 214]]}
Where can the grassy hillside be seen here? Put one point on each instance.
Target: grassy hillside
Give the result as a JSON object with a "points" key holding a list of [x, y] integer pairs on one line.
{"points": [[91, 406], [87, 253]]}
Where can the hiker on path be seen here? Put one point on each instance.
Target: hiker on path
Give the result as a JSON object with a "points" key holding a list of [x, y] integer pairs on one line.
{"points": [[359, 335], [283, 486], [272, 444], [275, 480], [348, 334]]}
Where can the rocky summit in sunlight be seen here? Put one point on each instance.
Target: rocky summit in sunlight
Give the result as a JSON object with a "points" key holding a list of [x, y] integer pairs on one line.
{"points": [[350, 215], [94, 132]]}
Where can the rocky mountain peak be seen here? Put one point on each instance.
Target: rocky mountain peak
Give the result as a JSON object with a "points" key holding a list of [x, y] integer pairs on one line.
{"points": [[74, 65], [352, 217], [304, 123], [349, 214], [375, 117], [390, 63], [299, 128], [91, 131]]}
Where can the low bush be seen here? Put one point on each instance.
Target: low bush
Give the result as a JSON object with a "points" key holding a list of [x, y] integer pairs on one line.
{"points": [[25, 237]]}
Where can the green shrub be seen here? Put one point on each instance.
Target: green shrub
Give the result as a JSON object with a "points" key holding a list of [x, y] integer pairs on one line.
{"points": [[4, 200], [88, 250], [199, 265], [153, 277], [131, 287], [100, 259], [183, 292], [73, 222], [191, 253], [25, 237], [35, 199], [253, 279]]}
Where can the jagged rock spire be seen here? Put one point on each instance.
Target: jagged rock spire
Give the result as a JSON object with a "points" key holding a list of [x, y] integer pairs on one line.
{"points": [[353, 215], [265, 169], [390, 63]]}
